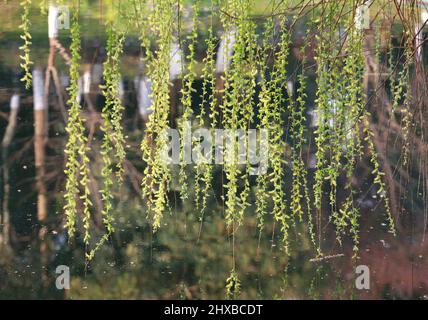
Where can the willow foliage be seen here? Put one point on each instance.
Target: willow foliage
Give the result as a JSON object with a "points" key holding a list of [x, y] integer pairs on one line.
{"points": [[26, 36], [76, 150], [187, 91], [113, 143], [203, 168], [237, 108], [156, 174], [255, 95]]}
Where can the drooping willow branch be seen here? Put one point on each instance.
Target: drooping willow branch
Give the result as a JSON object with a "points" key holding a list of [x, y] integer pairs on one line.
{"points": [[76, 150], [157, 174], [300, 196], [26, 36], [113, 137], [237, 106], [208, 100], [187, 91], [237, 115], [255, 69]]}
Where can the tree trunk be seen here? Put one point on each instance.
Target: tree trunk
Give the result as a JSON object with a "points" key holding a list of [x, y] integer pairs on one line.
{"points": [[7, 139]]}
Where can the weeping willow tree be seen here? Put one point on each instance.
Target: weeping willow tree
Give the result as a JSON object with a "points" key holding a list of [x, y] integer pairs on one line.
{"points": [[255, 95]]}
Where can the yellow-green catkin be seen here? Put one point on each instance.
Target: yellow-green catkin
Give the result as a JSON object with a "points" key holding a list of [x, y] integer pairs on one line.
{"points": [[157, 175], [277, 144], [237, 107], [26, 37], [204, 169], [401, 92], [377, 172], [112, 147], [327, 134], [272, 110], [76, 150], [355, 102], [187, 91], [233, 286], [300, 191], [264, 51]]}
